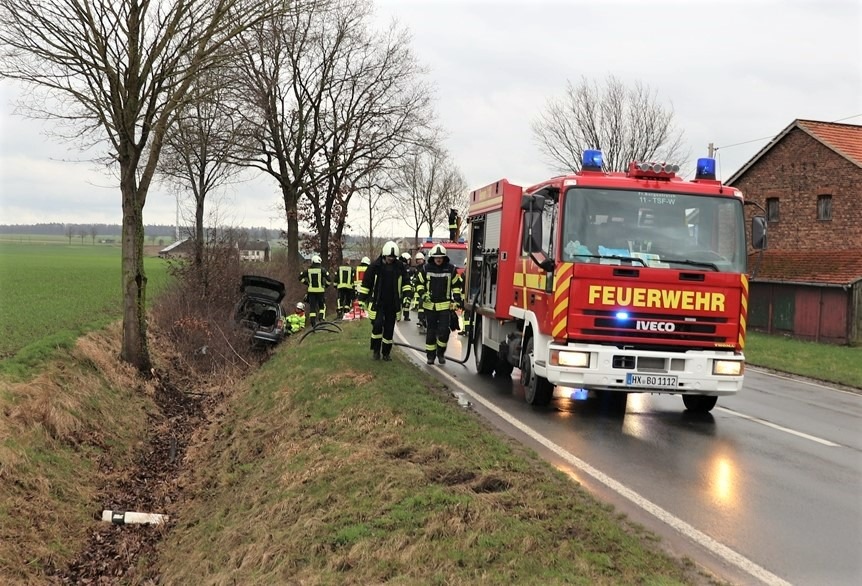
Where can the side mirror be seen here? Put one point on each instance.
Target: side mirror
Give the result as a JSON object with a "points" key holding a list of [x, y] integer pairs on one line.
{"points": [[758, 232], [532, 203]]}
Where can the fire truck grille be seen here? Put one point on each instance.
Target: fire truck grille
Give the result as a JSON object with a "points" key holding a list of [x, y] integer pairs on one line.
{"points": [[655, 327]]}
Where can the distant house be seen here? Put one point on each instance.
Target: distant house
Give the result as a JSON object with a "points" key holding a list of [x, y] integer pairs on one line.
{"points": [[251, 251], [179, 249], [808, 282], [258, 250]]}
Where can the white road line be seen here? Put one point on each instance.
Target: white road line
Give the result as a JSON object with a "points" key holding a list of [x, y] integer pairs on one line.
{"points": [[704, 540], [779, 427]]}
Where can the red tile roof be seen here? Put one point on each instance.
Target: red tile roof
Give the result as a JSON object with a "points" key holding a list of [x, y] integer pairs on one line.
{"points": [[830, 267], [844, 139]]}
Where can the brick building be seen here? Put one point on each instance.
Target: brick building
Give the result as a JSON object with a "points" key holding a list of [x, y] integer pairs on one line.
{"points": [[808, 282]]}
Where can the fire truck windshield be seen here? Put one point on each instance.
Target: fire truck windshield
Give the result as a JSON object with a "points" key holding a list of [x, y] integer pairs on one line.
{"points": [[645, 228]]}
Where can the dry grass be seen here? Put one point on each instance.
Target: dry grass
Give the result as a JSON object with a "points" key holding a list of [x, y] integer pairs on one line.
{"points": [[62, 434]]}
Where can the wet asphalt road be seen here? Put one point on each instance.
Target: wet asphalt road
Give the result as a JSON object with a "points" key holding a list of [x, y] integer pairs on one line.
{"points": [[767, 488]]}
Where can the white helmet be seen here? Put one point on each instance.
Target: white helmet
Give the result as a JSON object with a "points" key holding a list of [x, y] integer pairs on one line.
{"points": [[300, 306], [365, 261], [405, 256], [316, 259], [390, 249], [438, 251], [419, 256]]}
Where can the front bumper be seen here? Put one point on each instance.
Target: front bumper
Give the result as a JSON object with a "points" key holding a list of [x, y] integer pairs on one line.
{"points": [[609, 366]]}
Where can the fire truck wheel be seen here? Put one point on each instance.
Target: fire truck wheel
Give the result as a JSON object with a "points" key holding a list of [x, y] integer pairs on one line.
{"points": [[537, 390], [484, 356], [699, 403]]}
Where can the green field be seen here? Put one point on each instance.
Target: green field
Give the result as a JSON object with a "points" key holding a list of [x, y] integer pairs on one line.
{"points": [[52, 293]]}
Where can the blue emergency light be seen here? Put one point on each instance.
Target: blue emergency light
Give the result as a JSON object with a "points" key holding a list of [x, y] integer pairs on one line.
{"points": [[592, 160], [622, 315], [705, 169]]}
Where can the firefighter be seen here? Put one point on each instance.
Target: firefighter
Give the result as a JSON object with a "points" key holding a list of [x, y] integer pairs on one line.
{"points": [[405, 308], [420, 311], [453, 224], [359, 273], [438, 284], [384, 288], [295, 321], [346, 279], [316, 279]]}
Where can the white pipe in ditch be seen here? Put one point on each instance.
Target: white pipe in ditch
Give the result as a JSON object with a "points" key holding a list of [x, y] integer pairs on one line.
{"points": [[129, 517]]}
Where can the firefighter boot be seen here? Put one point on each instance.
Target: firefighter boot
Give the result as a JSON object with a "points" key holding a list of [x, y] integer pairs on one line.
{"points": [[375, 347], [441, 355], [430, 358]]}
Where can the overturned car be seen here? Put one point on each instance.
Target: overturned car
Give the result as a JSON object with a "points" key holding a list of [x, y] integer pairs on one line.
{"points": [[259, 309]]}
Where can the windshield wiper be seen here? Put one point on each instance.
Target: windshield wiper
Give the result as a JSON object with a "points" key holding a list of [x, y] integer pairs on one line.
{"points": [[612, 256], [695, 263]]}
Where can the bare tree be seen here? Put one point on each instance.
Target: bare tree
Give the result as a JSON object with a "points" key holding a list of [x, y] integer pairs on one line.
{"points": [[626, 124], [337, 102], [429, 184], [94, 231], [70, 231], [200, 146], [117, 72], [376, 195]]}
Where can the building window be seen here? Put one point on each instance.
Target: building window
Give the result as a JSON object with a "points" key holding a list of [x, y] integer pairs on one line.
{"points": [[772, 209], [824, 207]]}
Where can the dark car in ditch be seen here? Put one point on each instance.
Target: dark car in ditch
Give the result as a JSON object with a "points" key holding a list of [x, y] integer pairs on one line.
{"points": [[259, 309]]}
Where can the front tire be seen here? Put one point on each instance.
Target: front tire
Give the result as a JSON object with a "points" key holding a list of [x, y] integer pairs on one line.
{"points": [[537, 390], [485, 358], [699, 403]]}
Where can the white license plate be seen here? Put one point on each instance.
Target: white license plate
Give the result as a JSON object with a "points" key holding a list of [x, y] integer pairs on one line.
{"points": [[662, 381]]}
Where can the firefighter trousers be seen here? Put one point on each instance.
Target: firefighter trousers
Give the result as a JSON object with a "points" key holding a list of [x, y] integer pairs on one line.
{"points": [[383, 329], [316, 307], [437, 332], [345, 300]]}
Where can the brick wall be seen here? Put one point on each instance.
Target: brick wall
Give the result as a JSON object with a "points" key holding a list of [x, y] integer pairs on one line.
{"points": [[796, 171]]}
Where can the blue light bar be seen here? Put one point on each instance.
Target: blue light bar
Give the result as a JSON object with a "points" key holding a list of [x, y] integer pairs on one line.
{"points": [[622, 315], [592, 160], [705, 169]]}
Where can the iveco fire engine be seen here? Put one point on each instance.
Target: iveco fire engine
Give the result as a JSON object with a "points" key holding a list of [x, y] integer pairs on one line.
{"points": [[612, 282]]}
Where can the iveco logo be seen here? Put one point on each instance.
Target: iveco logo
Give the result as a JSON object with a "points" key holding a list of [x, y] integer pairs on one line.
{"points": [[656, 326]]}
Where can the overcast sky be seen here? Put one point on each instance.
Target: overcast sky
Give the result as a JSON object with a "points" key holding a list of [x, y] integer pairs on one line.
{"points": [[736, 73]]}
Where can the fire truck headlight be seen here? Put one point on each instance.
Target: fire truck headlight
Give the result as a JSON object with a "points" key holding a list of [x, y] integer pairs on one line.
{"points": [[728, 367], [564, 358]]}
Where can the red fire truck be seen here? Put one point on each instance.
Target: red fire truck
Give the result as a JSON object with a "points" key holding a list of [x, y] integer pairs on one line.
{"points": [[457, 251], [612, 282]]}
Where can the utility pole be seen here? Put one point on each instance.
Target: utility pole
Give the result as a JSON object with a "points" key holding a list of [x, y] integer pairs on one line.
{"points": [[711, 150]]}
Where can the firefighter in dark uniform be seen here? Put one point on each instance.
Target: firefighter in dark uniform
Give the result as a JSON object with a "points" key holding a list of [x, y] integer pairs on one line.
{"points": [[383, 288], [420, 311], [345, 288], [453, 224], [439, 285], [316, 279], [405, 308]]}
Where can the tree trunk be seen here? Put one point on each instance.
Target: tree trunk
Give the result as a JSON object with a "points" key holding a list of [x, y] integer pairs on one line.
{"points": [[291, 199], [135, 349]]}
